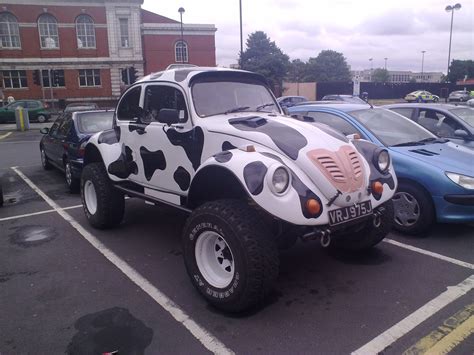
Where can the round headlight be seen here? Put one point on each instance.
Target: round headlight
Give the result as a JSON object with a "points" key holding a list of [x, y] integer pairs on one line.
{"points": [[383, 161], [280, 180]]}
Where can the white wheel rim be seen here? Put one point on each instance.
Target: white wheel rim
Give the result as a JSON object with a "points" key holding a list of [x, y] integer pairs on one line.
{"points": [[43, 157], [69, 174], [90, 197], [214, 259], [407, 209]]}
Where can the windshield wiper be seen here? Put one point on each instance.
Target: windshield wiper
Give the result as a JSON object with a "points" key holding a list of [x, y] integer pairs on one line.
{"points": [[258, 108], [422, 142], [237, 109]]}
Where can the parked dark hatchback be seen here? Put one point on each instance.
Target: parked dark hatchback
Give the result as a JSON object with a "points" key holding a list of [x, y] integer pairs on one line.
{"points": [[446, 121], [37, 111], [62, 146]]}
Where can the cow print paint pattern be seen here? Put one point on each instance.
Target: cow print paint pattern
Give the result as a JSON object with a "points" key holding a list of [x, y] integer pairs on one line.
{"points": [[192, 142], [182, 178], [124, 166], [152, 161], [254, 176]]}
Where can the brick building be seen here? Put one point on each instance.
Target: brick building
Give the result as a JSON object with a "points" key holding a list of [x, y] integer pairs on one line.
{"points": [[87, 50]]}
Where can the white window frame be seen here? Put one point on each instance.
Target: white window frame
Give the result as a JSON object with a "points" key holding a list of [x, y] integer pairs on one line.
{"points": [[181, 56], [91, 73], [85, 32], [12, 34], [11, 75], [48, 28], [124, 38]]}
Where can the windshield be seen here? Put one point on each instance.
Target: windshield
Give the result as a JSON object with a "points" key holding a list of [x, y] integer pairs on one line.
{"points": [[391, 128], [217, 97], [464, 113], [92, 122]]}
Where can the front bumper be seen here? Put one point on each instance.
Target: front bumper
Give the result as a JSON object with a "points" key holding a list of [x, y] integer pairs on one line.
{"points": [[454, 208]]}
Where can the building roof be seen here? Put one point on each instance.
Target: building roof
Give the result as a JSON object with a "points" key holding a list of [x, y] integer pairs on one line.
{"points": [[151, 17]]}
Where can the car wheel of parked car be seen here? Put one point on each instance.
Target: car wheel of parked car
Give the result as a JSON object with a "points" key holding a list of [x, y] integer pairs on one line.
{"points": [[229, 255], [72, 182], [44, 160], [41, 118], [414, 210], [371, 234], [103, 204]]}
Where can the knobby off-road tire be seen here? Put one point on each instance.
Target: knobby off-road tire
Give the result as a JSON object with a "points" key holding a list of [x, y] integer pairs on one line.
{"points": [[230, 255], [370, 235], [107, 208]]}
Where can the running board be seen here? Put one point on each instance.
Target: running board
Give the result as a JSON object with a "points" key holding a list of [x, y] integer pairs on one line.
{"points": [[149, 198]]}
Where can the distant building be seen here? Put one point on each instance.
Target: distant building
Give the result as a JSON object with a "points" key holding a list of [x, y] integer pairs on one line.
{"points": [[95, 48], [399, 76]]}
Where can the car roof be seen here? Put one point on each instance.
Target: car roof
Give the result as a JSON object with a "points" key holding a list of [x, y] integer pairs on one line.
{"points": [[414, 105]]}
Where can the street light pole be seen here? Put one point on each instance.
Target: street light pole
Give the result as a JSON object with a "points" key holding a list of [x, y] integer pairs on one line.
{"points": [[241, 35], [385, 63], [451, 9], [422, 63], [371, 67], [181, 11]]}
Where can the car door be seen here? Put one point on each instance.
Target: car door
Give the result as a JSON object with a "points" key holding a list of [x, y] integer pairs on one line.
{"points": [[9, 113], [60, 145], [49, 140], [33, 108]]}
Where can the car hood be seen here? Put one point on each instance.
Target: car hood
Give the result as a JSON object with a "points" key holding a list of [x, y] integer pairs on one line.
{"points": [[307, 146], [446, 156]]}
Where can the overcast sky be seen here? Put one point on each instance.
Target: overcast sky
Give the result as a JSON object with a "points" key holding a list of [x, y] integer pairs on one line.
{"points": [[396, 29]]}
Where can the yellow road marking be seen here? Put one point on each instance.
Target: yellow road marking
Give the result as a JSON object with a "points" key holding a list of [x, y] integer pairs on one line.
{"points": [[447, 336], [5, 135]]}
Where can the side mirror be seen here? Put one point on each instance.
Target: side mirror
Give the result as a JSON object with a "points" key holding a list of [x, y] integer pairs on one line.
{"points": [[168, 116], [461, 133], [44, 130]]}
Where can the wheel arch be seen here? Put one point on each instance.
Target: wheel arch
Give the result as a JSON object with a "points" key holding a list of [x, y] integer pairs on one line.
{"points": [[92, 155], [420, 186], [215, 182]]}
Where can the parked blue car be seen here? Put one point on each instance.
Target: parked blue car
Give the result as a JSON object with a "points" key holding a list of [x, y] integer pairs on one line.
{"points": [[436, 177], [62, 145]]}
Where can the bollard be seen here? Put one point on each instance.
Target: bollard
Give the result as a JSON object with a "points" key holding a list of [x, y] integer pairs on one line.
{"points": [[22, 119]]}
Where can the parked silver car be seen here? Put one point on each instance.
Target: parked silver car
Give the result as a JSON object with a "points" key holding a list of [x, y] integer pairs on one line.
{"points": [[459, 96]]}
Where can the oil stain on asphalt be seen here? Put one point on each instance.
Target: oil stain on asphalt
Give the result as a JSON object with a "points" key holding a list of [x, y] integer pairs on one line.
{"points": [[108, 331], [32, 235]]}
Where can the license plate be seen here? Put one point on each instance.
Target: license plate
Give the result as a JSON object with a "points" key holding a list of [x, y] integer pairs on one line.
{"points": [[349, 213]]}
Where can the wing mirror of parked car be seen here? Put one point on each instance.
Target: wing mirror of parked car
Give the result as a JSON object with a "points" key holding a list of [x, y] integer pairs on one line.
{"points": [[168, 116], [461, 134], [44, 130]]}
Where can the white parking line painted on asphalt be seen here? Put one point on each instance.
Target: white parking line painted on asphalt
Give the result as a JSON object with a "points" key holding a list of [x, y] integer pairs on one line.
{"points": [[407, 324], [430, 253], [209, 341], [5, 135], [37, 213]]}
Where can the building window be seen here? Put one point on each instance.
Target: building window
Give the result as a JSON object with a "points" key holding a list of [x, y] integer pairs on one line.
{"points": [[181, 52], [14, 79], [48, 31], [9, 31], [57, 78], [85, 32], [124, 38], [89, 77], [129, 75]]}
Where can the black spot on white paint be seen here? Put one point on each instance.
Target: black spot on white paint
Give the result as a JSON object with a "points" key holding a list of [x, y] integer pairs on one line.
{"points": [[182, 178], [254, 176], [223, 157], [110, 330], [152, 161], [192, 142], [286, 138], [304, 194], [124, 166], [138, 127], [228, 146]]}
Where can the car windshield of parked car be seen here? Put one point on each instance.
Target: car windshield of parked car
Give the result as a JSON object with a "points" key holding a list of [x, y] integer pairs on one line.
{"points": [[92, 122], [391, 128], [220, 97], [464, 113]]}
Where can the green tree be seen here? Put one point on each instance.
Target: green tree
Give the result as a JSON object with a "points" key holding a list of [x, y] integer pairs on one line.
{"points": [[297, 71], [264, 57], [329, 65], [459, 69], [380, 75]]}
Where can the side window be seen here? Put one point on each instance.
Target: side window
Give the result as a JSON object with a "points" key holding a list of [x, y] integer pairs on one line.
{"points": [[128, 107], [63, 130], [407, 112], [54, 128], [334, 122], [158, 97], [32, 104], [438, 123]]}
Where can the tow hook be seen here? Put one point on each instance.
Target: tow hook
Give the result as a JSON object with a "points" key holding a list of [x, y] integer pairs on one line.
{"points": [[325, 239], [378, 217]]}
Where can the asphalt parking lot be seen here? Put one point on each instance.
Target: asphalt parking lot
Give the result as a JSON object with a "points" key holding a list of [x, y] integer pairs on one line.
{"points": [[66, 287]]}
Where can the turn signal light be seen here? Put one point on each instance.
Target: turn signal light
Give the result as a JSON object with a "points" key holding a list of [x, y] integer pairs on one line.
{"points": [[377, 187], [313, 206]]}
